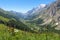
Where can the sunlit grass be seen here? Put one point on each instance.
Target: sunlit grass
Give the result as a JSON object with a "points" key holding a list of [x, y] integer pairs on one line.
{"points": [[22, 35], [4, 19]]}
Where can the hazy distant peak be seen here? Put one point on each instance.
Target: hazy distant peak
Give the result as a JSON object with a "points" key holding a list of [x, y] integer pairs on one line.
{"points": [[42, 5], [39, 7]]}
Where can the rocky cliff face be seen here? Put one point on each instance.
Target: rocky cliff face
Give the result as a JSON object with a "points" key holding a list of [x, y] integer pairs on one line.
{"points": [[55, 13], [50, 15]]}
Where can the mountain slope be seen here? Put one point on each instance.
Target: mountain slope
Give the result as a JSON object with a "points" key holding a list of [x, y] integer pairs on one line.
{"points": [[49, 15], [12, 21]]}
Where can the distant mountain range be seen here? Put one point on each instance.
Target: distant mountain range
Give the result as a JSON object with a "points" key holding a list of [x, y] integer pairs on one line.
{"points": [[35, 11]]}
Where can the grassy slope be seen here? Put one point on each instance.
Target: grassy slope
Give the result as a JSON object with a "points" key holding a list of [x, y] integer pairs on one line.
{"points": [[22, 35], [4, 19]]}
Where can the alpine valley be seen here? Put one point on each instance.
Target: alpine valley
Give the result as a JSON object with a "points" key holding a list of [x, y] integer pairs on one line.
{"points": [[37, 23]]}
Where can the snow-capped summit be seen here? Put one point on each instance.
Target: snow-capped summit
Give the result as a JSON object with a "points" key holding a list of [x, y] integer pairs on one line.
{"points": [[41, 5]]}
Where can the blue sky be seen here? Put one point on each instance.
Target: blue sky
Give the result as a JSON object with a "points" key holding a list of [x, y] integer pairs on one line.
{"points": [[22, 5]]}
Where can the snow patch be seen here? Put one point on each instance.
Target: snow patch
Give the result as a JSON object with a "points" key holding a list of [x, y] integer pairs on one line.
{"points": [[42, 5]]}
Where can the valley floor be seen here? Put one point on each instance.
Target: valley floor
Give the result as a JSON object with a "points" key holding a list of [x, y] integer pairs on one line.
{"points": [[22, 35]]}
